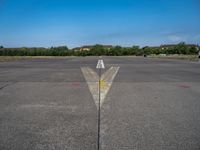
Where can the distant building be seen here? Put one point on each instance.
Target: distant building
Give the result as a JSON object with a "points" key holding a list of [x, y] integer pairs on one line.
{"points": [[89, 47]]}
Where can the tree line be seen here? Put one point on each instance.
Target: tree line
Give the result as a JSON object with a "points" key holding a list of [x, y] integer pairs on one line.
{"points": [[24, 51], [98, 50]]}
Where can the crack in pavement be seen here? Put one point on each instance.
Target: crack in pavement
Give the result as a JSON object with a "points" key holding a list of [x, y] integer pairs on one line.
{"points": [[6, 85]]}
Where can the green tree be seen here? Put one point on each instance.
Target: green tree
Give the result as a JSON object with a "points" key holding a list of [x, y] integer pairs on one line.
{"points": [[181, 48], [97, 50], [146, 50], [116, 51], [193, 50], [134, 50]]}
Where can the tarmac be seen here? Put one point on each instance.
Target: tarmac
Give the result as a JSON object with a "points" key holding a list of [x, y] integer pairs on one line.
{"points": [[150, 104]]}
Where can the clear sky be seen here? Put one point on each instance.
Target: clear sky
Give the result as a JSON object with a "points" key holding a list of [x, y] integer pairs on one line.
{"points": [[81, 22]]}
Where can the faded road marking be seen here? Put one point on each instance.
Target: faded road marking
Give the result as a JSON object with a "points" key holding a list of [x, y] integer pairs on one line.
{"points": [[100, 64], [105, 82]]}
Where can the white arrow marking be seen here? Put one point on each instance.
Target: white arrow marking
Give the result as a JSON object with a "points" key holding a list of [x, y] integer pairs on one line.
{"points": [[105, 82], [100, 64]]}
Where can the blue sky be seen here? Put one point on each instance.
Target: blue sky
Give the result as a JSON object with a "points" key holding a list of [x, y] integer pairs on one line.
{"points": [[81, 22]]}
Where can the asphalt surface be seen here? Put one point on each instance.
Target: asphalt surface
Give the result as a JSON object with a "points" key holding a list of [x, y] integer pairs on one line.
{"points": [[153, 104]]}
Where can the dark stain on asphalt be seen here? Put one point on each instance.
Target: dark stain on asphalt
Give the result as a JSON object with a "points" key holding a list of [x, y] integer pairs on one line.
{"points": [[184, 86], [76, 84]]}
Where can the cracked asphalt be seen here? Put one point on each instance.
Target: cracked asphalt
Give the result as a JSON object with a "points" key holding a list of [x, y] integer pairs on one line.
{"points": [[45, 104]]}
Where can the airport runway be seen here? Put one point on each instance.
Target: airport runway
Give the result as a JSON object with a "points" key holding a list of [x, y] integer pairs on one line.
{"points": [[151, 104]]}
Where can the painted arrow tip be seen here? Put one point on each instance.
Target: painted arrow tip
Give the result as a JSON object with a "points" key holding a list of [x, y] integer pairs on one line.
{"points": [[100, 64]]}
